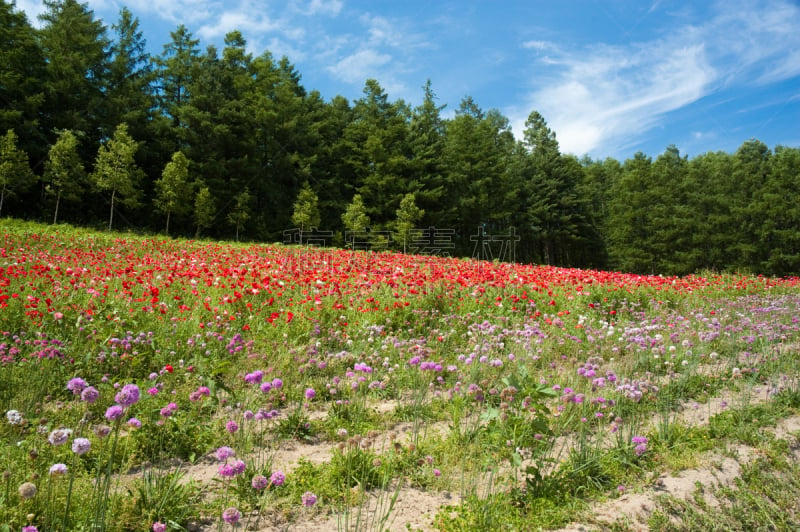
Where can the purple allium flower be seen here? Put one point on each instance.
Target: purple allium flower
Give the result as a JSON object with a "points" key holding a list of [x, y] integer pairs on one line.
{"points": [[248, 415], [102, 431], [266, 386], [31, 528], [255, 377], [90, 394], [231, 426], [128, 395], [414, 361], [309, 499], [81, 446], [134, 423], [639, 439], [159, 527], [58, 469], [231, 516], [310, 393], [76, 385], [223, 453], [277, 478], [259, 482], [114, 412], [277, 383], [152, 391], [640, 449], [437, 473], [59, 436]]}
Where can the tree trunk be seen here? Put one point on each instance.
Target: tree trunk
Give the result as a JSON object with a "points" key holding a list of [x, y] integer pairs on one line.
{"points": [[55, 214], [167, 230], [2, 199], [111, 217]]}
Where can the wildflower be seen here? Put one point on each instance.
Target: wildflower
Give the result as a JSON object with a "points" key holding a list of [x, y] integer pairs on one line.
{"points": [[231, 516], [309, 499], [76, 385], [31, 528], [114, 412], [90, 395], [152, 391], [232, 469], [81, 446], [266, 386], [255, 377], [59, 436], [14, 417], [134, 423], [310, 393], [641, 445], [231, 426], [102, 430], [27, 490], [58, 469], [277, 478], [128, 395], [159, 527], [259, 482], [437, 473], [223, 453], [277, 383]]}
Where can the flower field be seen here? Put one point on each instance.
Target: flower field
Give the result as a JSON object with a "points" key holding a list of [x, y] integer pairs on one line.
{"points": [[158, 384]]}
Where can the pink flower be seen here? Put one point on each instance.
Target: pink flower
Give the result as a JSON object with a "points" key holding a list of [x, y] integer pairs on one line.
{"points": [[277, 478], [309, 499]]}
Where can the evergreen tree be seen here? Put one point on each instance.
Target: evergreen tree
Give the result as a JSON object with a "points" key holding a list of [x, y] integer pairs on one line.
{"points": [[427, 143], [22, 74], [63, 171], [76, 50], [15, 171], [408, 215], [355, 218], [115, 170], [241, 211], [306, 209], [204, 210], [173, 189]]}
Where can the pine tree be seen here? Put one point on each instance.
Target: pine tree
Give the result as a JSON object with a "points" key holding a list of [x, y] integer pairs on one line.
{"points": [[241, 211], [355, 218]]}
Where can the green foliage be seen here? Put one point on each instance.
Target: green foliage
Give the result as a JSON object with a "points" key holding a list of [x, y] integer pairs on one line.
{"points": [[174, 187], [15, 173], [241, 211], [63, 171], [163, 496], [355, 218], [205, 209], [408, 216], [306, 209], [115, 170]]}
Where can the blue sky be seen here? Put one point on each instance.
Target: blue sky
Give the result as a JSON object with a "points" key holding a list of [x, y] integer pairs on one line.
{"points": [[611, 77]]}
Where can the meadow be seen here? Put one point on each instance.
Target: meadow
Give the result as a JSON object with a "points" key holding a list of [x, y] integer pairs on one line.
{"points": [[149, 383]]}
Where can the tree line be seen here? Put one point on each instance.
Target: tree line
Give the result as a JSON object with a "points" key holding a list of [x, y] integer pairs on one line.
{"points": [[96, 131]]}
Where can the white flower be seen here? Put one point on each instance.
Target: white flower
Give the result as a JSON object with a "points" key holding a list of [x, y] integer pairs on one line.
{"points": [[14, 417]]}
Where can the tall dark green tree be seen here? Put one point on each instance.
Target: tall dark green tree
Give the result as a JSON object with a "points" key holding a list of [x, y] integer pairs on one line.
{"points": [[426, 141], [629, 225], [780, 214], [671, 220], [379, 154], [76, 49], [748, 180], [476, 153], [22, 75]]}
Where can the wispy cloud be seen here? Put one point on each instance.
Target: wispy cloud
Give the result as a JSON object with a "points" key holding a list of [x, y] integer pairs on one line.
{"points": [[359, 66], [601, 98]]}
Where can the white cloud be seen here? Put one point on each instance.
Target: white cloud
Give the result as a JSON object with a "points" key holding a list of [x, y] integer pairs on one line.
{"points": [[600, 99], [32, 9], [186, 12], [359, 66], [330, 8]]}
